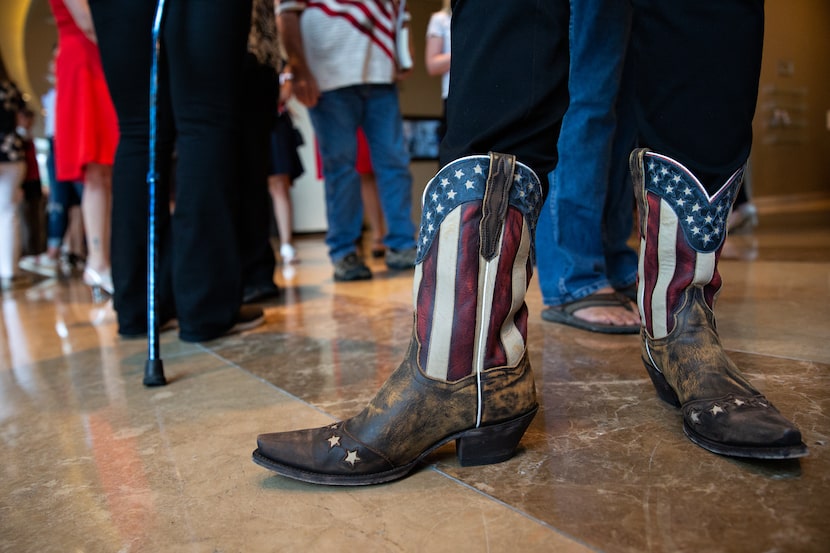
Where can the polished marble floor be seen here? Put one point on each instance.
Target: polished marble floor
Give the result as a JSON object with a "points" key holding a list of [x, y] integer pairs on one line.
{"points": [[94, 462]]}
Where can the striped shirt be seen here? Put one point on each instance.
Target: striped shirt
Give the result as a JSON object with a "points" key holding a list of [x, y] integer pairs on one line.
{"points": [[347, 42]]}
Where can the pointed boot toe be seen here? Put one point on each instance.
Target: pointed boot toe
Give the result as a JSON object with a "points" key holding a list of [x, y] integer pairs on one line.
{"points": [[742, 427], [326, 455]]}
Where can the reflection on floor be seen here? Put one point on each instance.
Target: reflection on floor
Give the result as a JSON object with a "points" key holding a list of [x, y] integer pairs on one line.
{"points": [[93, 461]]}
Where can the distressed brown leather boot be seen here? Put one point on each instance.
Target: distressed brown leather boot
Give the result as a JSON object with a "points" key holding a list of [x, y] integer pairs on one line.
{"points": [[682, 231], [466, 376]]}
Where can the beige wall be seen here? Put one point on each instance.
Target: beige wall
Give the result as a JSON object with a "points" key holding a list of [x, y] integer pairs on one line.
{"points": [[420, 93], [38, 45], [791, 151]]}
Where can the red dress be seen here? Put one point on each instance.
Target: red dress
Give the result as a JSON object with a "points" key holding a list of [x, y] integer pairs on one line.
{"points": [[86, 127], [364, 159], [363, 165]]}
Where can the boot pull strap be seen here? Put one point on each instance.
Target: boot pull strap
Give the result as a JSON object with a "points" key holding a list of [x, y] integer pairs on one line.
{"points": [[495, 202]]}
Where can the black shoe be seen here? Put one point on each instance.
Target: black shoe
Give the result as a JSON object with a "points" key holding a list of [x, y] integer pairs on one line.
{"points": [[351, 268], [260, 292], [400, 260], [248, 317], [167, 325]]}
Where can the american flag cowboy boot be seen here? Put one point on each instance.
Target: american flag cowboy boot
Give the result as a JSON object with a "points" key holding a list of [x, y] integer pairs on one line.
{"points": [[466, 375], [682, 232]]}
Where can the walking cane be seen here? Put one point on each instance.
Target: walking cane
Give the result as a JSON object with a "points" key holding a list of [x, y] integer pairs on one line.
{"points": [[154, 368]]}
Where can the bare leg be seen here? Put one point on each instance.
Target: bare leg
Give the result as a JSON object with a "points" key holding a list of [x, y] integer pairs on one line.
{"points": [[96, 207], [372, 209], [280, 187]]}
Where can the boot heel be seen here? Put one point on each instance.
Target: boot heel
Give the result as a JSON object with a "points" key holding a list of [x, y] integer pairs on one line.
{"points": [[664, 390], [492, 444]]}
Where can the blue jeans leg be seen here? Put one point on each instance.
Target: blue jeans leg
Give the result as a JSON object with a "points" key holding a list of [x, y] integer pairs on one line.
{"points": [[390, 161], [618, 220], [569, 237], [62, 196], [336, 118]]}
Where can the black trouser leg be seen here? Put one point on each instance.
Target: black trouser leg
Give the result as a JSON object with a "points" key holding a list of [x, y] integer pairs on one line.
{"points": [[696, 68], [203, 47], [508, 80], [124, 30]]}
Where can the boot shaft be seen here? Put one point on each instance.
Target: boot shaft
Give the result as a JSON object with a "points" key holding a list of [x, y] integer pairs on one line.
{"points": [[682, 231], [474, 265]]}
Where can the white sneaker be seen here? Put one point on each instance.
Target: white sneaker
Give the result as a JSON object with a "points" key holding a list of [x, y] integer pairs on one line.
{"points": [[39, 264], [288, 254]]}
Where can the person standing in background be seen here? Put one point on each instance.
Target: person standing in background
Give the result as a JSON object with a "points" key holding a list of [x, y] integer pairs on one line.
{"points": [[62, 196], [258, 114], [33, 213], [285, 168], [12, 173], [345, 65], [199, 93], [63, 216], [437, 56], [86, 132]]}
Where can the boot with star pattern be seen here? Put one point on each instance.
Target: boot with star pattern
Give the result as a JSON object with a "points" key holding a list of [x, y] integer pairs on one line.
{"points": [[682, 231], [466, 375]]}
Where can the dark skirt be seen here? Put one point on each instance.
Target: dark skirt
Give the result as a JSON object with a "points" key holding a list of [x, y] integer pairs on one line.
{"points": [[284, 142]]}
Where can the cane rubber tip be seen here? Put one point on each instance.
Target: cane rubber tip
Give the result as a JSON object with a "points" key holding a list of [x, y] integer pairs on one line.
{"points": [[154, 373]]}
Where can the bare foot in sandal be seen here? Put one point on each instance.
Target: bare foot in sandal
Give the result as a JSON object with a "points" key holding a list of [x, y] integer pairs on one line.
{"points": [[611, 314], [604, 311]]}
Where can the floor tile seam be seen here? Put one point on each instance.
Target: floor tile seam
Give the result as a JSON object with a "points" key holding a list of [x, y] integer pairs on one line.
{"points": [[170, 355], [178, 355], [775, 356], [516, 510], [268, 383], [594, 383]]}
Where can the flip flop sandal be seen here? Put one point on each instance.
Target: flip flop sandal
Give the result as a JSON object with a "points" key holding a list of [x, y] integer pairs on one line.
{"points": [[564, 314]]}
